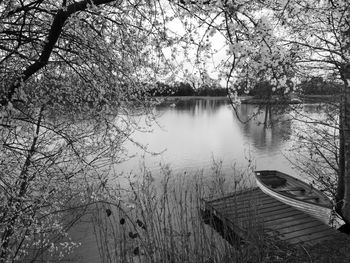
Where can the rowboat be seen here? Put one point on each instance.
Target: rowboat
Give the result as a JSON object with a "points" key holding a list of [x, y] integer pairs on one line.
{"points": [[295, 193]]}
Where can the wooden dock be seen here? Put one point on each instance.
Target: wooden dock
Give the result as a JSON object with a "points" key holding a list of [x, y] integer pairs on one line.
{"points": [[232, 216]]}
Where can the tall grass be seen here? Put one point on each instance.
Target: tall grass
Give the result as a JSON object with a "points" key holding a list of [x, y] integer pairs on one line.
{"points": [[161, 222]]}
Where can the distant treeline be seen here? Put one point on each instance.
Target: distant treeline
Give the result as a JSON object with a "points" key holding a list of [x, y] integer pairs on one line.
{"points": [[186, 89], [312, 86], [319, 86]]}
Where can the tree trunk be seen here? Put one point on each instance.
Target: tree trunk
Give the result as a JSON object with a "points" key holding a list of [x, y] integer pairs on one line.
{"points": [[341, 171], [346, 135]]}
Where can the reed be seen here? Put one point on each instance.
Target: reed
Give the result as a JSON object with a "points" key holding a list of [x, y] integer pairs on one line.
{"points": [[160, 221]]}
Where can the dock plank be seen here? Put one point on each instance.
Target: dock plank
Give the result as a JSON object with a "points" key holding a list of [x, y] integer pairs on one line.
{"points": [[251, 195], [239, 202], [303, 220], [304, 231], [237, 209], [270, 211], [245, 209], [234, 204]]}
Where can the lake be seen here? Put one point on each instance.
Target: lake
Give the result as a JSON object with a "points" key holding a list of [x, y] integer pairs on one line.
{"points": [[189, 134]]}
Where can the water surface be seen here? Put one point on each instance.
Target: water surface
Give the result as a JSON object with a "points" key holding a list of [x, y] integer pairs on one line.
{"points": [[194, 132]]}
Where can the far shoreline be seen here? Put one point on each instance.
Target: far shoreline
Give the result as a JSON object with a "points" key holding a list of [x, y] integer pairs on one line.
{"points": [[251, 100], [183, 98], [172, 98]]}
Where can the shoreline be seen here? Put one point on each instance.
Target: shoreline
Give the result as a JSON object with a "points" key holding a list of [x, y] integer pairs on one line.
{"points": [[251, 100], [175, 98]]}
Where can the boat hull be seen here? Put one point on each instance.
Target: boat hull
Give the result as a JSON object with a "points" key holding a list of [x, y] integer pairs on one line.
{"points": [[321, 212]]}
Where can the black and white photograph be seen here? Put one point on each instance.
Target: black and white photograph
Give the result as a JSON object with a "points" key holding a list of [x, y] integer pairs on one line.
{"points": [[175, 131]]}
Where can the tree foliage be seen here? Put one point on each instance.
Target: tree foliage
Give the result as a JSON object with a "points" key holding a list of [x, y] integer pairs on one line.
{"points": [[73, 81], [320, 31], [282, 42]]}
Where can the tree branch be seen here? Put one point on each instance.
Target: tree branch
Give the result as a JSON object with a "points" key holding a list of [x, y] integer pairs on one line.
{"points": [[56, 29]]}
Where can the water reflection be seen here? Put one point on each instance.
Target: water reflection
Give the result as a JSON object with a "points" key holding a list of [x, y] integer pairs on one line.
{"points": [[269, 126], [196, 106], [195, 131]]}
